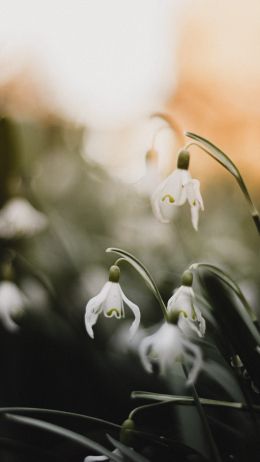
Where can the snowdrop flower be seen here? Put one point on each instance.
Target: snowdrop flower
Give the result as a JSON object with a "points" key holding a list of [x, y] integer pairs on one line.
{"points": [[168, 345], [110, 301], [182, 309], [18, 218], [175, 190], [12, 301], [100, 458]]}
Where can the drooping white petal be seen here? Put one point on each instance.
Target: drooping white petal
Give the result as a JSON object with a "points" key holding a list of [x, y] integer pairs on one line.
{"points": [[195, 200], [94, 308], [12, 300], [175, 186], [136, 311], [182, 300], [113, 303], [156, 203], [201, 320], [193, 353], [171, 192], [144, 351], [187, 326]]}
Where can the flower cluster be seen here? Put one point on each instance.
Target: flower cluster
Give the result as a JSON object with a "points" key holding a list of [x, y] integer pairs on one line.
{"points": [[172, 341]]}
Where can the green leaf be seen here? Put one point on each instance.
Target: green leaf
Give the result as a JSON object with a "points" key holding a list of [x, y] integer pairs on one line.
{"points": [[54, 412], [130, 453], [64, 432], [216, 153], [227, 163], [232, 284], [144, 273], [236, 328]]}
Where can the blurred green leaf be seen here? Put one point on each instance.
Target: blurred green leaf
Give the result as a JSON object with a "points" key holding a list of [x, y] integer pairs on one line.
{"points": [[64, 432]]}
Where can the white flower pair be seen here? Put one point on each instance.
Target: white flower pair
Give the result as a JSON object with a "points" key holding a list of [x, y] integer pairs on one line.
{"points": [[175, 190], [171, 342]]}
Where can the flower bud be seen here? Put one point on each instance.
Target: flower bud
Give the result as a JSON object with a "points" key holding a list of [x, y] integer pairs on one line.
{"points": [[183, 160], [126, 436], [114, 273], [187, 278]]}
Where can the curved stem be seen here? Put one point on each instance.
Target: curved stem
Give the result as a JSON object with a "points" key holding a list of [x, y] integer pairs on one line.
{"points": [[226, 162], [189, 400], [172, 124], [142, 270]]}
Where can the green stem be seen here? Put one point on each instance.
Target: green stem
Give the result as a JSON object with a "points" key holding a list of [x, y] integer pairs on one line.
{"points": [[215, 456], [189, 400], [231, 168], [142, 270]]}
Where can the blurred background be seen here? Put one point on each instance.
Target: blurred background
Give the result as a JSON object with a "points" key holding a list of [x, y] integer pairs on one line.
{"points": [[79, 82]]}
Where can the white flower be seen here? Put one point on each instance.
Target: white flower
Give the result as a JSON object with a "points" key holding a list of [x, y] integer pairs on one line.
{"points": [[168, 345], [183, 304], [18, 218], [110, 301], [12, 300], [100, 458], [175, 190]]}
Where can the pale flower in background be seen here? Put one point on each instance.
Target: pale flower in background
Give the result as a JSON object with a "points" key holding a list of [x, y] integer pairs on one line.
{"points": [[151, 177], [18, 218], [110, 301], [12, 301], [168, 345]]}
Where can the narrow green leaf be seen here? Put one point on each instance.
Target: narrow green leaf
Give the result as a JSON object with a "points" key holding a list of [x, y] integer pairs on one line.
{"points": [[64, 432], [232, 284], [130, 453], [54, 412], [144, 273], [227, 163], [216, 153], [240, 333]]}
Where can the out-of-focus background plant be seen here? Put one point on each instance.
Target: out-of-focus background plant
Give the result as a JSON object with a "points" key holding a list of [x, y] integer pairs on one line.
{"points": [[78, 82]]}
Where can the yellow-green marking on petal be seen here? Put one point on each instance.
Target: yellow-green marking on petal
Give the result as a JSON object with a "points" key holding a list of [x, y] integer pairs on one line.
{"points": [[169, 197]]}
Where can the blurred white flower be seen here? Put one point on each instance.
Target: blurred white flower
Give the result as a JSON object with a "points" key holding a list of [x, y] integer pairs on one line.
{"points": [[151, 177], [18, 218], [110, 301], [100, 458], [12, 301], [175, 190], [168, 345], [182, 303]]}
